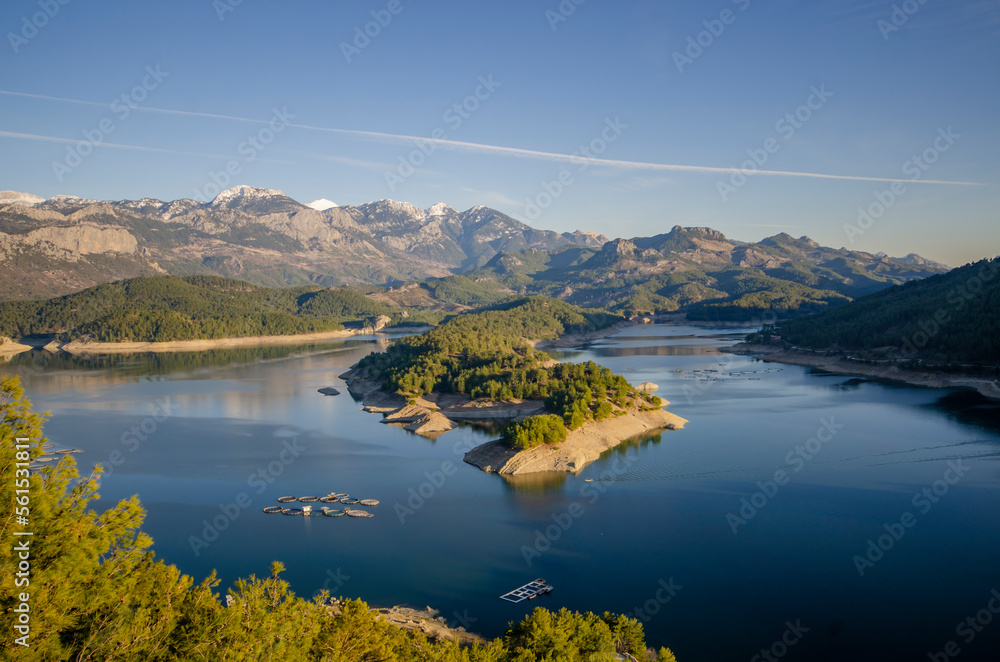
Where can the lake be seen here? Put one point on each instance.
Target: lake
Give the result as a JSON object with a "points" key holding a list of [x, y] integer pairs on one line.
{"points": [[814, 516]]}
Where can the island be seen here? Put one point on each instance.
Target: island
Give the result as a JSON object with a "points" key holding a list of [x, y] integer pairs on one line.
{"points": [[483, 367]]}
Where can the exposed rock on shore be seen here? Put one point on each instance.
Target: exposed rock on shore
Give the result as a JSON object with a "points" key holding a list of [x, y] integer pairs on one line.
{"points": [[580, 448], [435, 413], [429, 622]]}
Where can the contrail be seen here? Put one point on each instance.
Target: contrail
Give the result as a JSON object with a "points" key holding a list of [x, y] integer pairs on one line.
{"points": [[517, 152], [73, 141], [137, 148]]}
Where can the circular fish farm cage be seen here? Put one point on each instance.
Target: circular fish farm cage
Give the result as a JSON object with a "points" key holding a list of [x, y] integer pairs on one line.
{"points": [[359, 513], [347, 501], [329, 499], [369, 502], [333, 513], [308, 499], [272, 510], [287, 499], [291, 511]]}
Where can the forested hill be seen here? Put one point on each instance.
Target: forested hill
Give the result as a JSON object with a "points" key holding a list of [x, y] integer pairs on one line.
{"points": [[486, 355], [163, 308], [949, 318]]}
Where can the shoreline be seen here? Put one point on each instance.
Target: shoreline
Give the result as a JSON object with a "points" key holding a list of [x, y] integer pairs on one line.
{"points": [[843, 364], [574, 339], [581, 447], [11, 348], [76, 347], [428, 622], [434, 414]]}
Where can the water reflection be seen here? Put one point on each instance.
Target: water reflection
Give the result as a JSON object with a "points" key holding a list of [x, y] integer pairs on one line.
{"points": [[538, 482]]}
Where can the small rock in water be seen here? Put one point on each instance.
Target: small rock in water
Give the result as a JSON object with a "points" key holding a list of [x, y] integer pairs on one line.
{"points": [[329, 390]]}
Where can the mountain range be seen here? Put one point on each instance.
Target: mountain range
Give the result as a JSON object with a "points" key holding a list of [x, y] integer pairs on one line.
{"points": [[63, 244]]}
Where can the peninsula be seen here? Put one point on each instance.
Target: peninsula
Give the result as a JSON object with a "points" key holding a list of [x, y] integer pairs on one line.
{"points": [[939, 332], [193, 313], [482, 367]]}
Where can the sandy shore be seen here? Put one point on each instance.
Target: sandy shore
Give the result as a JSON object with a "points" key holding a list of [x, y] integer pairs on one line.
{"points": [[844, 365], [82, 347]]}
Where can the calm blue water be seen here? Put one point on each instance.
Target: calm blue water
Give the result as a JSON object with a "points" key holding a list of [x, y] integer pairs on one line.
{"points": [[653, 531]]}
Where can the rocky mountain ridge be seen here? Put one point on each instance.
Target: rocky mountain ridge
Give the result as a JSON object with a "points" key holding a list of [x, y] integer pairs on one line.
{"points": [[65, 243]]}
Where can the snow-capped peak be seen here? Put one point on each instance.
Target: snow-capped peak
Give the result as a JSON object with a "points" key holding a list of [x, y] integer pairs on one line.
{"points": [[440, 209], [72, 199], [387, 206], [16, 197], [322, 204], [246, 193]]}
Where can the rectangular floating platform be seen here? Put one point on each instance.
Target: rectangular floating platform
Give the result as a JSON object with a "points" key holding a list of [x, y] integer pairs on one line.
{"points": [[527, 592]]}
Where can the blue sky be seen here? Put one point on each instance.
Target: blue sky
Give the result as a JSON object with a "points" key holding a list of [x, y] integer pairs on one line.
{"points": [[852, 89]]}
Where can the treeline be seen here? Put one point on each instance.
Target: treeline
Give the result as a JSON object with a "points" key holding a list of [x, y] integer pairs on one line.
{"points": [[174, 308], [952, 317], [486, 355]]}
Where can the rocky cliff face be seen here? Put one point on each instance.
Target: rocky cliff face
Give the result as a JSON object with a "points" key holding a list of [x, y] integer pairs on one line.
{"points": [[72, 243], [65, 243]]}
